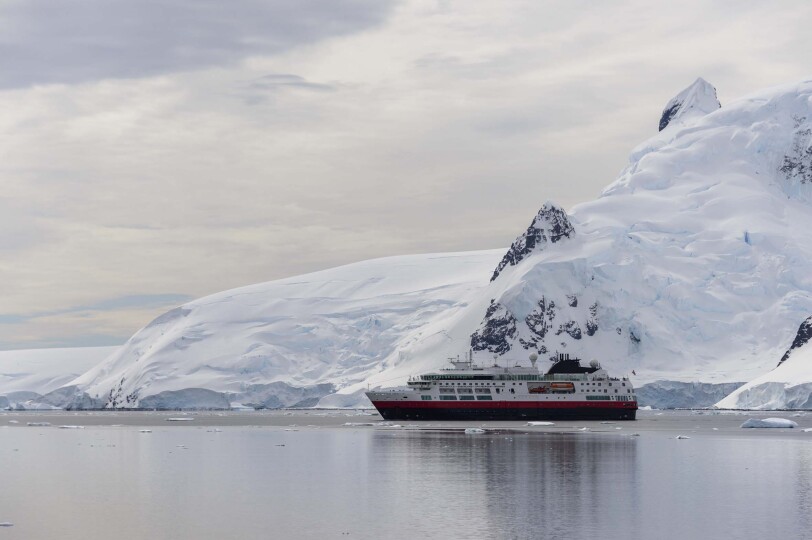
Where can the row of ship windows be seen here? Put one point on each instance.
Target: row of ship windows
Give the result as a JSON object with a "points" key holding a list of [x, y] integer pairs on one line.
{"points": [[462, 385], [462, 398], [450, 390]]}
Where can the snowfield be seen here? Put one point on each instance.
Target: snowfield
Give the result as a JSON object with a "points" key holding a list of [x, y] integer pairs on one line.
{"points": [[290, 342], [695, 265]]}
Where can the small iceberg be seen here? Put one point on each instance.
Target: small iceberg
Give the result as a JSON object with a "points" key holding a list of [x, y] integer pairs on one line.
{"points": [[682, 437], [184, 419], [360, 424], [474, 431], [38, 424], [769, 423], [145, 431], [71, 427], [540, 423]]}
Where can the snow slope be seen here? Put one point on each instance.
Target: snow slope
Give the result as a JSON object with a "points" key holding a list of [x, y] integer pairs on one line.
{"points": [[289, 342], [788, 386]]}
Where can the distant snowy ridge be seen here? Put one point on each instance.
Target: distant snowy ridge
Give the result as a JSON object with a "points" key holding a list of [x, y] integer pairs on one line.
{"points": [[26, 375]]}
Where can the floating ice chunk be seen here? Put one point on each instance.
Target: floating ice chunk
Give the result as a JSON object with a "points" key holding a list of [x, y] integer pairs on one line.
{"points": [[807, 430], [769, 423], [474, 431], [184, 419], [645, 408], [71, 427], [540, 423], [359, 424], [13, 422], [240, 407], [682, 437], [38, 424], [607, 422], [145, 431], [6, 524]]}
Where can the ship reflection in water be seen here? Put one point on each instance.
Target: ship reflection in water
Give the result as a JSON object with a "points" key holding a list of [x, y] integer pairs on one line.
{"points": [[599, 485]]}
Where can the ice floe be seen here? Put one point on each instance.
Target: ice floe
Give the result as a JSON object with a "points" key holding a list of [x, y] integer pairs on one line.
{"points": [[769, 423]]}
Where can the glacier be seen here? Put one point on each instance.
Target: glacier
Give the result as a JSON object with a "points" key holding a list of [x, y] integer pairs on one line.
{"points": [[693, 266]]}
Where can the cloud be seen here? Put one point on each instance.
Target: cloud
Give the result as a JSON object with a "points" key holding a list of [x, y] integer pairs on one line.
{"points": [[54, 41], [133, 301], [253, 155], [107, 322]]}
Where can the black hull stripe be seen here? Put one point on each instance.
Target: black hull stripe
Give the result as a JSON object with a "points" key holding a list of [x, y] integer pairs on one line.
{"points": [[535, 413]]}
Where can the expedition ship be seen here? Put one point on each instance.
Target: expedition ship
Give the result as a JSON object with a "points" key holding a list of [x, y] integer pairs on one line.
{"points": [[468, 392]]}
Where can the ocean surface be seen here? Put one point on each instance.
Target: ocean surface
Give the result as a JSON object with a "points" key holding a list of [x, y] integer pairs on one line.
{"points": [[283, 474]]}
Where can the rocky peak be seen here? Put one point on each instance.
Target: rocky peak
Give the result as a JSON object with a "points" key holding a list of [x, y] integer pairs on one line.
{"points": [[801, 338], [550, 225], [697, 100]]}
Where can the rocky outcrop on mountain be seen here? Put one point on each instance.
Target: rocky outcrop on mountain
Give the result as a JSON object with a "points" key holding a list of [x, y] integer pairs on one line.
{"points": [[698, 99], [496, 332], [801, 338], [797, 164], [550, 225]]}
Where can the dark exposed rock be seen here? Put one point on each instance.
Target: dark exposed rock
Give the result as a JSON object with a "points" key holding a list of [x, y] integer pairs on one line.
{"points": [[803, 335], [550, 225], [797, 165], [539, 322], [668, 114], [592, 322], [572, 300], [571, 328], [497, 329]]}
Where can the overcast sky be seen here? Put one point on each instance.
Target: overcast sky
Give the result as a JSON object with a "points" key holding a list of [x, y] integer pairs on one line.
{"points": [[152, 152]]}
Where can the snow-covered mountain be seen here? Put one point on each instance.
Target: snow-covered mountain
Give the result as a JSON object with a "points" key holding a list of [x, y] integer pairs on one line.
{"points": [[288, 342], [694, 265]]}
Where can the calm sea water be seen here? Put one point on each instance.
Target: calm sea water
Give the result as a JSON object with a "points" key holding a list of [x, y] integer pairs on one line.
{"points": [[336, 481]]}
